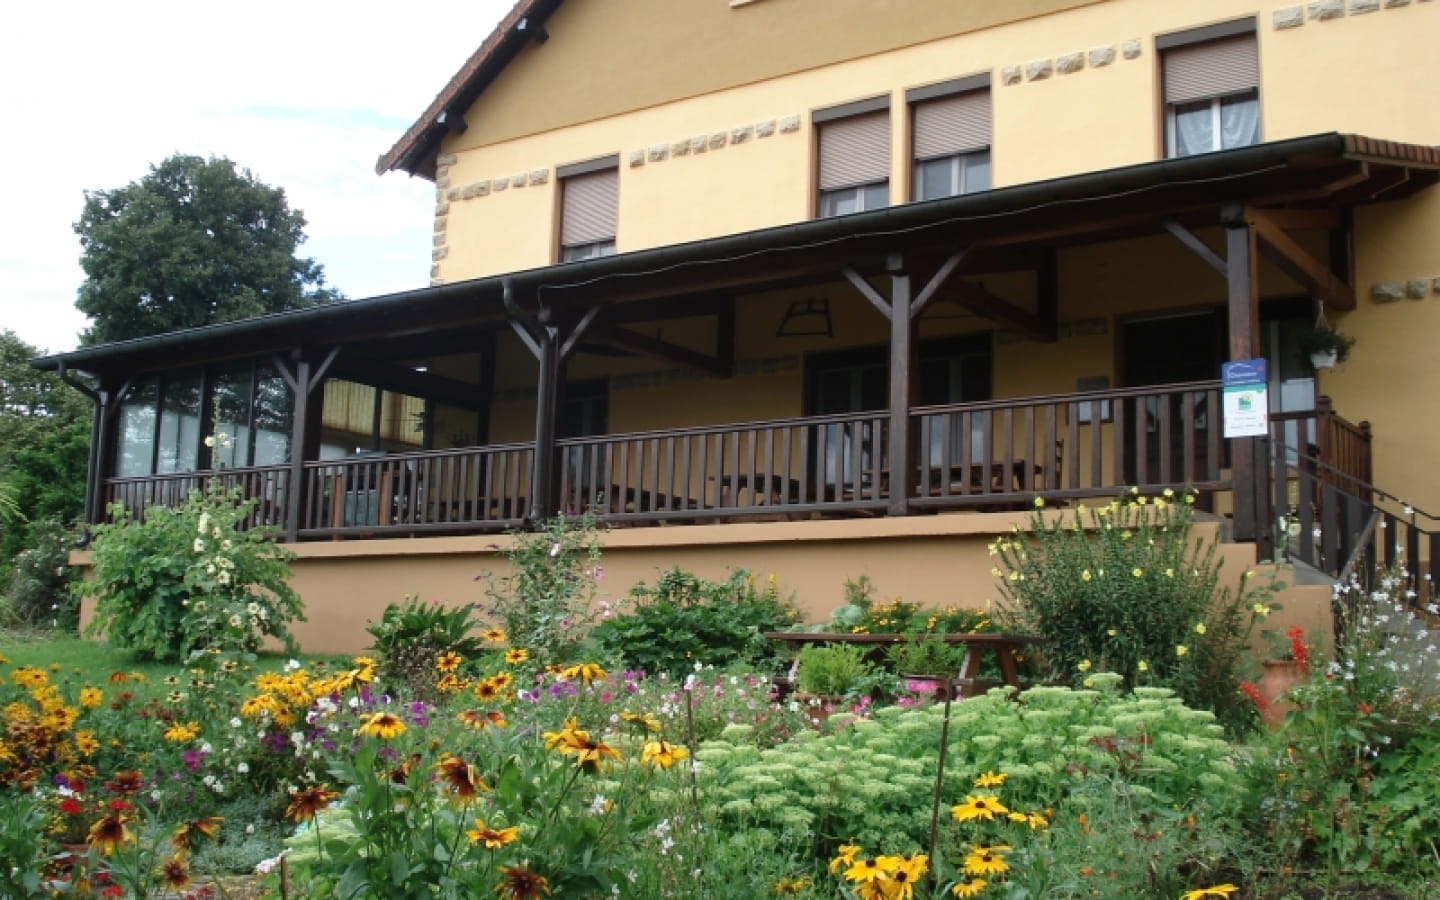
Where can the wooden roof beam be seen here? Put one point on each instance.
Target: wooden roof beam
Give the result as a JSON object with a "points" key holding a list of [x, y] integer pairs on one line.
{"points": [[978, 300], [1296, 261], [403, 380], [626, 339]]}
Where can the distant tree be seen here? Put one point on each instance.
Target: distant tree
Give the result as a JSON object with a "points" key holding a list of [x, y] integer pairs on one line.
{"points": [[33, 404], [192, 243]]}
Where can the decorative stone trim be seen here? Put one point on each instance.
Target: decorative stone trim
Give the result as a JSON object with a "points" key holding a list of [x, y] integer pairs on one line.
{"points": [[637, 158], [446, 159], [1130, 49], [1386, 292], [765, 129], [1290, 17], [1416, 289], [1435, 283], [1360, 7], [1392, 4], [539, 176], [658, 153], [1038, 70], [1323, 10], [518, 181], [1101, 56], [789, 124], [1011, 75], [1069, 63]]}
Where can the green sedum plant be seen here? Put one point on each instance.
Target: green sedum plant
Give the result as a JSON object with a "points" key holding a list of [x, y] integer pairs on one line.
{"points": [[189, 579]]}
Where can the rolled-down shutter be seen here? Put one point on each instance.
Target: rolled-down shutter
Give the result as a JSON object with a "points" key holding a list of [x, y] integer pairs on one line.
{"points": [[588, 208], [949, 125], [1211, 69], [855, 151]]}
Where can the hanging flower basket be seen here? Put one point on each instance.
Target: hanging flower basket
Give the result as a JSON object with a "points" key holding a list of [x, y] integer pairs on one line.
{"points": [[1323, 359]]}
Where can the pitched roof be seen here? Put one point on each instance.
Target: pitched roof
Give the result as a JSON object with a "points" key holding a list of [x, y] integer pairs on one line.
{"points": [[416, 150]]}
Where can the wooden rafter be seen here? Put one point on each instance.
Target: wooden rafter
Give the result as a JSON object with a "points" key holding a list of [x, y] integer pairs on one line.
{"points": [[626, 339], [1195, 245], [1296, 261], [403, 380], [982, 302]]}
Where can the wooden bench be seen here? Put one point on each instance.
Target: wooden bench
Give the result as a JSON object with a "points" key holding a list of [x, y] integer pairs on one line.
{"points": [[1003, 647]]}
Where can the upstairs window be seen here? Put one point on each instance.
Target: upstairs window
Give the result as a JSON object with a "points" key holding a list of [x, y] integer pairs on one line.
{"points": [[589, 194], [854, 157], [1212, 93], [951, 137]]}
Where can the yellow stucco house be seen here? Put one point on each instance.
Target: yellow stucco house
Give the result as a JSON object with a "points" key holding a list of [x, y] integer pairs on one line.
{"points": [[832, 288]]}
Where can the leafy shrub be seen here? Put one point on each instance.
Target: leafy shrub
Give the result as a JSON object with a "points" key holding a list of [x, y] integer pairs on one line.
{"points": [[1131, 593], [831, 670], [410, 639], [190, 579], [546, 603], [38, 592], [682, 621]]}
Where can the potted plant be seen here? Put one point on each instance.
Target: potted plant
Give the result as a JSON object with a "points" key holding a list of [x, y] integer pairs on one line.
{"points": [[827, 674], [1287, 668], [927, 664], [1326, 346]]}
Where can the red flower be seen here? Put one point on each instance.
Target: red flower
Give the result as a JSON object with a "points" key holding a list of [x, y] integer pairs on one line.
{"points": [[1299, 651], [70, 806], [1253, 693]]}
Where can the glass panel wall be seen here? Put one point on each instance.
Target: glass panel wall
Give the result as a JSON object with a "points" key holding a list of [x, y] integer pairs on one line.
{"points": [[179, 442], [135, 434]]}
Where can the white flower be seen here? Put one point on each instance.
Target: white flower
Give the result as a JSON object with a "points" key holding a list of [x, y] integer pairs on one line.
{"points": [[224, 578], [292, 665], [199, 545], [243, 768], [235, 722], [210, 440]]}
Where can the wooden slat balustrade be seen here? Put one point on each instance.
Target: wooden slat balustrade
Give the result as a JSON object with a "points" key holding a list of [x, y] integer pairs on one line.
{"points": [[265, 484]]}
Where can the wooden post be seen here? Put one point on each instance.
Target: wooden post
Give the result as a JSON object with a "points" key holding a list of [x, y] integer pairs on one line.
{"points": [[1247, 463], [903, 381], [299, 419], [546, 391]]}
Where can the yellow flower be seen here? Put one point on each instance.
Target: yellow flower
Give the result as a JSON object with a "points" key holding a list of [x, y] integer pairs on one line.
{"points": [[1111, 632], [983, 806], [516, 655], [492, 838], [1085, 575], [1181, 650], [969, 886], [645, 721], [995, 571], [1190, 499], [662, 753], [1260, 610], [1200, 628], [1143, 666], [1169, 573], [1039, 502], [791, 886], [86, 743], [449, 661], [585, 672], [181, 733], [383, 725], [1219, 890], [864, 871], [844, 857], [1137, 572], [91, 697], [1168, 492], [1083, 665], [983, 860], [494, 634], [991, 779]]}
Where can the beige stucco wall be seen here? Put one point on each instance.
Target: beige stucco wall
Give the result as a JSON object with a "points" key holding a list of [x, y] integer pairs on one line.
{"points": [[938, 561]]}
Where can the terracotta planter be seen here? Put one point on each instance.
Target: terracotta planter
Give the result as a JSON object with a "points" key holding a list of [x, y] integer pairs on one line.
{"points": [[817, 707], [1281, 676]]}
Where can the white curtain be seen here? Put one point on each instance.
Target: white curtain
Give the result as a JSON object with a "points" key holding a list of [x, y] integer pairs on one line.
{"points": [[1239, 123]]}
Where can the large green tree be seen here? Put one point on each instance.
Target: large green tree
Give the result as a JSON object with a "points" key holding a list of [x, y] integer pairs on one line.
{"points": [[33, 404], [194, 242]]}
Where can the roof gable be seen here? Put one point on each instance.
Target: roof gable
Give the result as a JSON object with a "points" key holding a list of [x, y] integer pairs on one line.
{"points": [[548, 65]]}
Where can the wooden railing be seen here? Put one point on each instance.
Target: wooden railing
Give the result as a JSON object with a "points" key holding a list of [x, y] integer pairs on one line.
{"points": [[1069, 446], [1324, 436], [471, 489], [266, 485], [995, 454]]}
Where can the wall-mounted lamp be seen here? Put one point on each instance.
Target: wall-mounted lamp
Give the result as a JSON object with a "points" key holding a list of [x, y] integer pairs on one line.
{"points": [[807, 317]]}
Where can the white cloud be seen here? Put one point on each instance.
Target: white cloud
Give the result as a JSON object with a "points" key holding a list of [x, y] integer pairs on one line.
{"points": [[305, 94]]}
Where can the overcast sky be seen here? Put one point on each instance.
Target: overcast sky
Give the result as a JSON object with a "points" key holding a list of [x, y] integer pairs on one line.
{"points": [[304, 93]]}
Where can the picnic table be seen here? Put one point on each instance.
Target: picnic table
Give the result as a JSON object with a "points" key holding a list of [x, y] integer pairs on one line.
{"points": [[1003, 647]]}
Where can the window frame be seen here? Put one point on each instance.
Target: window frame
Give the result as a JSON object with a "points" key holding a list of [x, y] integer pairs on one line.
{"points": [[868, 194], [963, 160], [1195, 38], [593, 244]]}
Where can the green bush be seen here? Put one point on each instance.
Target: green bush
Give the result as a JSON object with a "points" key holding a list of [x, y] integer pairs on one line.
{"points": [[1124, 588], [190, 579], [683, 620], [863, 614], [831, 670], [410, 639], [38, 589]]}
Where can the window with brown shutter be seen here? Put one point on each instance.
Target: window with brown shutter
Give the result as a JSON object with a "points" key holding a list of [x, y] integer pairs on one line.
{"points": [[589, 195], [1211, 88], [950, 137], [853, 173]]}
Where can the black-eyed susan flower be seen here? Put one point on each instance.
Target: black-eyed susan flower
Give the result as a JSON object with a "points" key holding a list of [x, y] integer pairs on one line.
{"points": [[495, 635], [111, 830], [179, 733], [185, 835], [519, 883], [662, 753], [564, 737], [460, 779], [990, 779], [864, 871], [492, 838], [788, 887], [309, 802], [844, 857], [91, 697], [516, 655], [645, 722], [986, 860], [175, 874], [982, 806], [450, 683], [449, 661], [590, 754], [125, 783], [583, 672], [383, 725], [969, 886], [86, 743]]}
